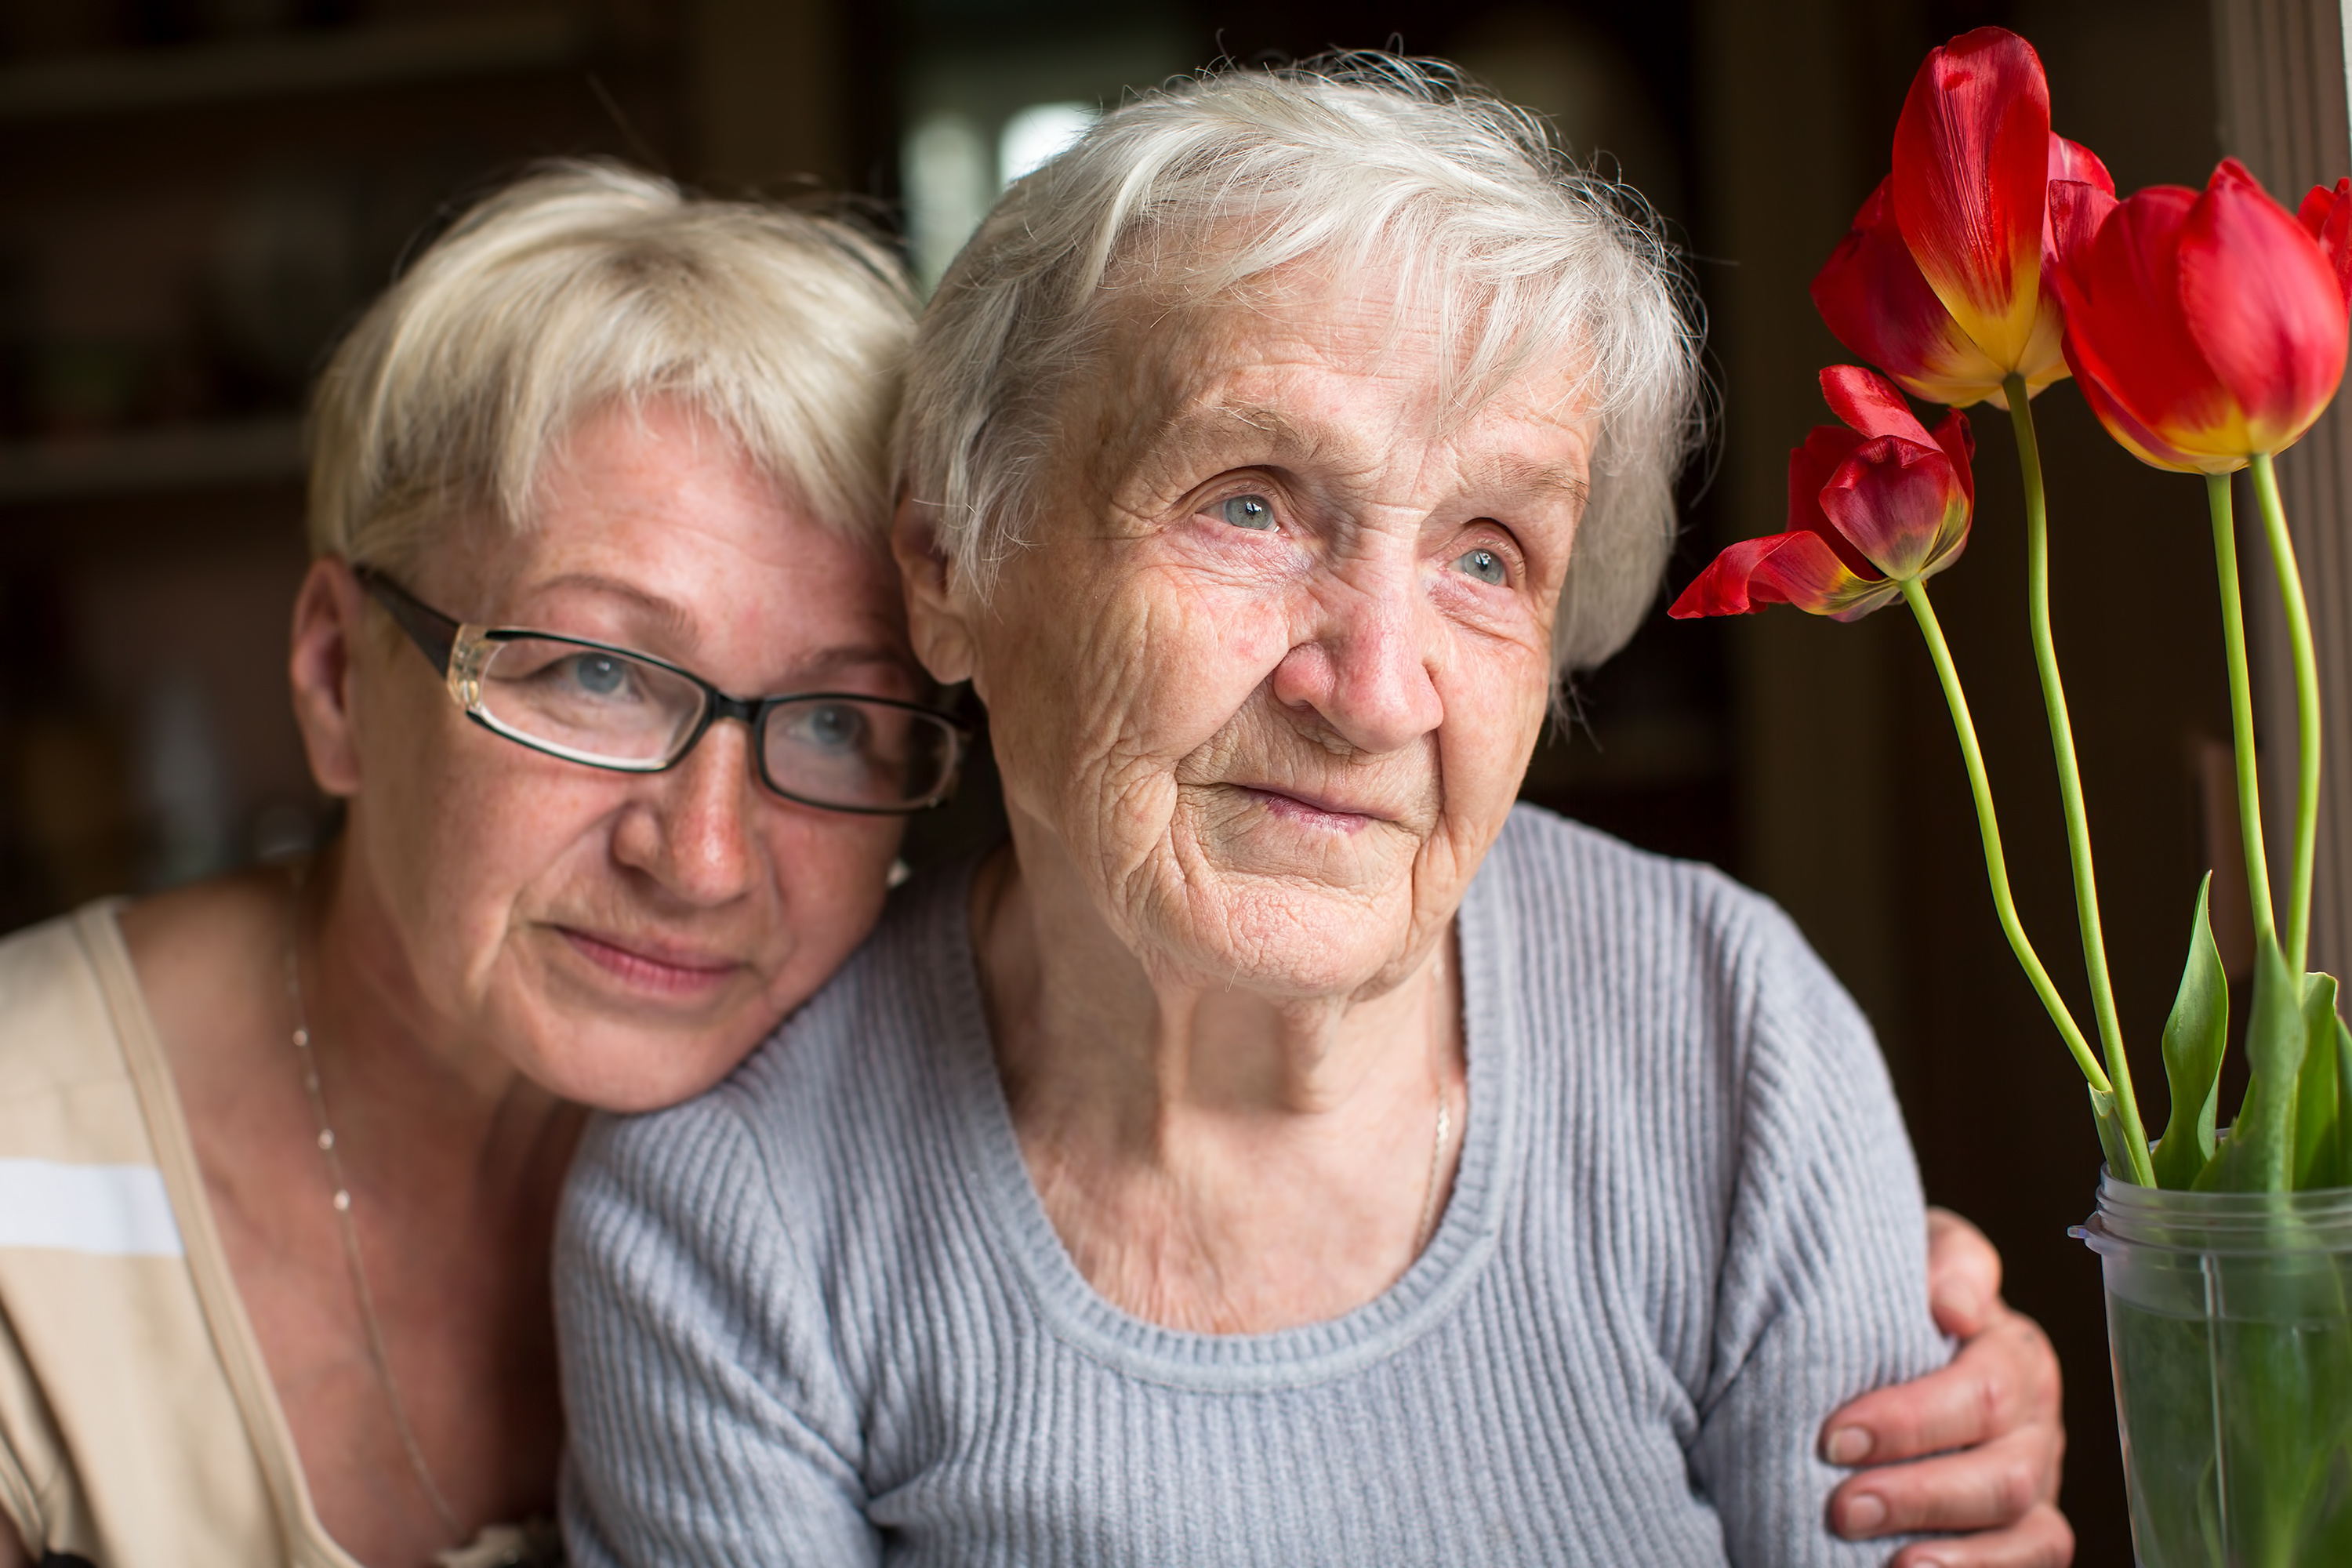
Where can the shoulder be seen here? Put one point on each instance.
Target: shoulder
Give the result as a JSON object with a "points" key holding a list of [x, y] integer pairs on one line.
{"points": [[56, 1031], [1645, 925], [1688, 992]]}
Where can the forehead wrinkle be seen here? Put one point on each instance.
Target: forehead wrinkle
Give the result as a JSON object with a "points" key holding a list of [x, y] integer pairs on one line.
{"points": [[1526, 474]]}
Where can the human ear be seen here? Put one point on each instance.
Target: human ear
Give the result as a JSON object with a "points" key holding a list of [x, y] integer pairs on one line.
{"points": [[937, 617], [327, 629]]}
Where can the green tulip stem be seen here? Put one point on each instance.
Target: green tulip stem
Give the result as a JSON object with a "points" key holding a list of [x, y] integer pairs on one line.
{"points": [[2297, 944], [2242, 704], [2069, 777], [1915, 594]]}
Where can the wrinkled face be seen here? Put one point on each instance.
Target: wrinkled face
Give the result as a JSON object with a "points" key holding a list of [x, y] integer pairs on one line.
{"points": [[626, 938], [1271, 673]]}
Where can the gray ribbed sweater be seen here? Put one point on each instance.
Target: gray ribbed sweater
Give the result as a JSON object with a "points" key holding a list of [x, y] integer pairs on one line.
{"points": [[819, 1316]]}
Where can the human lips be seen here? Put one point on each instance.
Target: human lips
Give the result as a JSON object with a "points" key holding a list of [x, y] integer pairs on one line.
{"points": [[1311, 810], [672, 969]]}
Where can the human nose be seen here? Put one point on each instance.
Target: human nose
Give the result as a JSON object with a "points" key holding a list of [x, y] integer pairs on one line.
{"points": [[1366, 667], [692, 833]]}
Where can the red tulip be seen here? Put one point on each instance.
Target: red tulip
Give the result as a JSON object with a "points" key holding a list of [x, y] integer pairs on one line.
{"points": [[2205, 327], [1940, 281], [2327, 216], [1871, 506]]}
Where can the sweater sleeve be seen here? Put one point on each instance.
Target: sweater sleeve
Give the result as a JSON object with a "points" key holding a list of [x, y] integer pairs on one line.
{"points": [[1822, 1292], [708, 1423]]}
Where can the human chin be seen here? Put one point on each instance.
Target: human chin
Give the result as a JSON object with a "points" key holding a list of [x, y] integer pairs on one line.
{"points": [[1281, 935], [600, 1028]]}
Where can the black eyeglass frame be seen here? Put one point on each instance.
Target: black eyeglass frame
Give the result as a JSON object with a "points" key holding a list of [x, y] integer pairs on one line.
{"points": [[443, 639]]}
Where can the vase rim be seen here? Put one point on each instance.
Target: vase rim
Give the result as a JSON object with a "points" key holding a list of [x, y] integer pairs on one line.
{"points": [[2316, 1220]]}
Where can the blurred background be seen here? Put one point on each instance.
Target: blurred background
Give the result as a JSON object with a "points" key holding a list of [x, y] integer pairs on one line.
{"points": [[198, 195]]}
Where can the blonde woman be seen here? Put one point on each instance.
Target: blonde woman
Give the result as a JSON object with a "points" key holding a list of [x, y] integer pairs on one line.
{"points": [[280, 1154]]}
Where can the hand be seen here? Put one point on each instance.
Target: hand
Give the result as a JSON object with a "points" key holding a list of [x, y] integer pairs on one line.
{"points": [[1991, 1418]]}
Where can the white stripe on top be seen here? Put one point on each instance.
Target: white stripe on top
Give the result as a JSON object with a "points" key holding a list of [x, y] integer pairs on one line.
{"points": [[118, 1211]]}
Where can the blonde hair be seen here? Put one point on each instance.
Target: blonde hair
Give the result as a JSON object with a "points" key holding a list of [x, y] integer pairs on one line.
{"points": [[587, 285], [1358, 161]]}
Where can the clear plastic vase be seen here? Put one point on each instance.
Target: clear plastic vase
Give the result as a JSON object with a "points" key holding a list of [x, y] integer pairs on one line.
{"points": [[2229, 1320]]}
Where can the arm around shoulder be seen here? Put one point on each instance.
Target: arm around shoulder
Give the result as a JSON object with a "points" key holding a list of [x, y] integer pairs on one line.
{"points": [[707, 1421]]}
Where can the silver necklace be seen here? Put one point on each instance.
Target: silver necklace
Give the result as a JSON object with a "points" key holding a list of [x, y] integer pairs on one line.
{"points": [[342, 1202], [1437, 1145], [1437, 1174]]}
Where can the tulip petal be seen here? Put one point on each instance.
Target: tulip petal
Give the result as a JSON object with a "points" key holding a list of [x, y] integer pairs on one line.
{"points": [[2073, 161], [1872, 295], [1971, 167], [1958, 441], [1902, 505], [2126, 328], [2327, 216], [1797, 569], [1870, 403], [1826, 448], [2131, 435], [2076, 209], [2265, 305]]}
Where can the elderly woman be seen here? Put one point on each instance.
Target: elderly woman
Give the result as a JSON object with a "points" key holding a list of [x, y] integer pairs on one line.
{"points": [[1284, 1151], [279, 1161]]}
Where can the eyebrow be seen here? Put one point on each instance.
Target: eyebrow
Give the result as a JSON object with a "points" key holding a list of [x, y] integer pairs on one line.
{"points": [[1284, 432], [1522, 474], [668, 615], [671, 618], [1198, 425]]}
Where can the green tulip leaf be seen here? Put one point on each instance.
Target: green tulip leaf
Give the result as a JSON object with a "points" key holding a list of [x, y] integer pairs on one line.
{"points": [[2111, 1133], [2314, 1096], [2194, 1038], [2343, 1106], [2259, 1154]]}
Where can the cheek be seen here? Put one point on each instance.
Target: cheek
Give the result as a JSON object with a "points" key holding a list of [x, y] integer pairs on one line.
{"points": [[1138, 679], [478, 835], [832, 875], [1496, 705]]}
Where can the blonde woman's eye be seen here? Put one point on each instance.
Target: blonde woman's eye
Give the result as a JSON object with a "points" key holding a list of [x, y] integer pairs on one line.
{"points": [[1248, 512], [1486, 565]]}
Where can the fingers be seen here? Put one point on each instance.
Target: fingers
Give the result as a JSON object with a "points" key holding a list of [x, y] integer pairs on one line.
{"points": [[1993, 1486], [1963, 1275], [2003, 1381], [2042, 1539]]}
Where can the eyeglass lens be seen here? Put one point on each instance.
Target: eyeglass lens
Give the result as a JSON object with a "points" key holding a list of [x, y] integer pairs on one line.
{"points": [[603, 706], [856, 753]]}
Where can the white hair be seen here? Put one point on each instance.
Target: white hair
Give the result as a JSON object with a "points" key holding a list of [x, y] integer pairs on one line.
{"points": [[586, 286], [1355, 161]]}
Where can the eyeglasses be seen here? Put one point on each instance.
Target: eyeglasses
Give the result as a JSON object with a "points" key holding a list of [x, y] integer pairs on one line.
{"points": [[610, 708]]}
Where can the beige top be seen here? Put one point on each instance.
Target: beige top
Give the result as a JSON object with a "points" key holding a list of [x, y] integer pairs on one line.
{"points": [[138, 1422]]}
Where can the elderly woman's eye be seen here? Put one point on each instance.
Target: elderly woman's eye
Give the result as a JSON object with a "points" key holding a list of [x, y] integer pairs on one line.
{"points": [[1486, 565], [1248, 512]]}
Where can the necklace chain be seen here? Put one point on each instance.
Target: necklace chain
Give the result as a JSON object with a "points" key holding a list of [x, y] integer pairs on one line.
{"points": [[1428, 1227], [1437, 1174], [333, 1157]]}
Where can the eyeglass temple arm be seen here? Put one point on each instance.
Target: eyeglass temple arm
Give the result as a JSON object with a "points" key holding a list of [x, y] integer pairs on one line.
{"points": [[435, 634]]}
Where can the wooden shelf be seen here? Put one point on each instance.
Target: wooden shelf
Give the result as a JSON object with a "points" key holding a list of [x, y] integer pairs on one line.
{"points": [[70, 86], [193, 456]]}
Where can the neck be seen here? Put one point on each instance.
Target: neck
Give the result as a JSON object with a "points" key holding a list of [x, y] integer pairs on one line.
{"points": [[1214, 1159]]}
